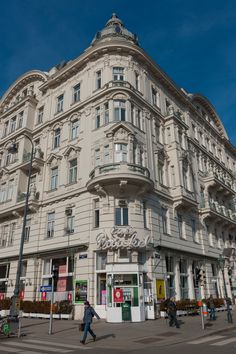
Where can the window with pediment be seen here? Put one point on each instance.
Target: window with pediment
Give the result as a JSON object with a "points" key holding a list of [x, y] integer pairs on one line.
{"points": [[57, 138], [75, 127]]}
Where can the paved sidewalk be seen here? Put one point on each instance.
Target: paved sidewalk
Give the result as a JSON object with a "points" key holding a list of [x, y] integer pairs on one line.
{"points": [[128, 335]]}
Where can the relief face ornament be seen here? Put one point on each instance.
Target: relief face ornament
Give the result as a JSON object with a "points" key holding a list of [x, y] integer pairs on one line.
{"points": [[121, 238]]}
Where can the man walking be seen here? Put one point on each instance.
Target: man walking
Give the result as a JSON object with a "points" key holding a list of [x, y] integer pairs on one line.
{"points": [[211, 307], [89, 313], [172, 310]]}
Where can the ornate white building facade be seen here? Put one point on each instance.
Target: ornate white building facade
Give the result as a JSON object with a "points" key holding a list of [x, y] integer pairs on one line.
{"points": [[132, 185]]}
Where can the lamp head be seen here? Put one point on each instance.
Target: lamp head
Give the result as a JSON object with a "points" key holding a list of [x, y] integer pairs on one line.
{"points": [[13, 148]]}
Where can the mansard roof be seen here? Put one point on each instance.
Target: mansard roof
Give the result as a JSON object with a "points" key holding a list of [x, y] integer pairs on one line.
{"points": [[23, 80]]}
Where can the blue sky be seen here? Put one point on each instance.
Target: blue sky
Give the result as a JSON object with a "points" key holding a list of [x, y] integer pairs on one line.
{"points": [[193, 41]]}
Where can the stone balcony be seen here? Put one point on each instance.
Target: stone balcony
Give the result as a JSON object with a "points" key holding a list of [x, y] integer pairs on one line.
{"points": [[183, 198], [212, 209], [15, 207], [119, 179], [223, 184], [37, 161]]}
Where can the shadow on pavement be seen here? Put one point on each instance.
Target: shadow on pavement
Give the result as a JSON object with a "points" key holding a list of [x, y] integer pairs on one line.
{"points": [[106, 336]]}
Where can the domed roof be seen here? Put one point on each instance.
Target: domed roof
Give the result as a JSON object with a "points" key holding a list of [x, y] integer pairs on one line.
{"points": [[114, 28]]}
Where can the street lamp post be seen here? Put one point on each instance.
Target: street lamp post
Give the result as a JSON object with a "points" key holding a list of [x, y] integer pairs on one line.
{"points": [[14, 310], [221, 262]]}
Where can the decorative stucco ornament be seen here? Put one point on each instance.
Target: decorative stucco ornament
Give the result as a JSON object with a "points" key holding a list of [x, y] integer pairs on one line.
{"points": [[121, 238]]}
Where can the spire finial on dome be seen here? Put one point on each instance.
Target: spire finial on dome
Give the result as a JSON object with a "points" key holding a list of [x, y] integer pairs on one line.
{"points": [[114, 20]]}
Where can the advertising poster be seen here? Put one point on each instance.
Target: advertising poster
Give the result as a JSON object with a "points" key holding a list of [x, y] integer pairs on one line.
{"points": [[61, 284], [103, 297], [81, 290], [118, 295], [160, 287]]}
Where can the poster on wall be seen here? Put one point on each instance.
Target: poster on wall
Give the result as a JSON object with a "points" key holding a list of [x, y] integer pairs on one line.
{"points": [[160, 288], [103, 297], [118, 295], [81, 290]]}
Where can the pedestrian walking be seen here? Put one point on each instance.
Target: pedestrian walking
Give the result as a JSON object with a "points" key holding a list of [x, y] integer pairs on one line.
{"points": [[211, 308], [228, 304], [172, 311], [89, 313]]}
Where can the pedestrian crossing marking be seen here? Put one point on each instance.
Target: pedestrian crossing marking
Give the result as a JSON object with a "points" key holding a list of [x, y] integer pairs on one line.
{"points": [[226, 341], [10, 350], [39, 347], [69, 346], [205, 339]]}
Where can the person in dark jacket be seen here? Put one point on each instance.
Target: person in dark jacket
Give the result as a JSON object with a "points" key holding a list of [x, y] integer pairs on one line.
{"points": [[172, 311], [89, 313], [212, 309], [228, 304]]}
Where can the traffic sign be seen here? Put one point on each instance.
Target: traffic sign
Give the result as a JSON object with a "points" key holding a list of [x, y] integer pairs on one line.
{"points": [[45, 288]]}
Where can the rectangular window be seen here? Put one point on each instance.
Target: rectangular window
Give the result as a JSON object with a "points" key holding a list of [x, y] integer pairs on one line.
{"points": [[164, 220], [106, 113], [97, 118], [101, 260], [76, 93], [12, 125], [50, 224], [106, 152], [57, 138], [11, 234], [138, 118], [8, 159], [120, 152], [20, 119], [214, 271], [96, 213], [169, 264], [3, 193], [4, 271], [118, 74], [70, 224], [145, 221], [97, 157], [54, 178], [10, 189], [155, 98], [180, 225], [183, 279], [40, 115], [73, 171], [75, 125], [98, 79], [5, 131], [23, 269], [119, 110], [161, 173], [27, 230], [60, 100], [137, 81], [193, 228], [121, 216], [4, 235]]}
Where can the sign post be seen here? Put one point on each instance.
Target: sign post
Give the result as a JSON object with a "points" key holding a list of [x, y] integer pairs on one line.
{"points": [[54, 277], [200, 304]]}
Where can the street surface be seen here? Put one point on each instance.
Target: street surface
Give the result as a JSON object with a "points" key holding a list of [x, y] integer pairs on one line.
{"points": [[125, 338]]}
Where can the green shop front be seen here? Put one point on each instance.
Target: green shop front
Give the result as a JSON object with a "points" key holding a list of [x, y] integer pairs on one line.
{"points": [[125, 293]]}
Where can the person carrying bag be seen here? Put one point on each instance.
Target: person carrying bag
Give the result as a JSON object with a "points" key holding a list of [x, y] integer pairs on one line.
{"points": [[89, 313]]}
